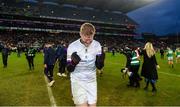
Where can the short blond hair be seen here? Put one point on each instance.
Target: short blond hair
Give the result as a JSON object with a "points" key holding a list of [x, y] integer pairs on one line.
{"points": [[149, 49], [87, 29]]}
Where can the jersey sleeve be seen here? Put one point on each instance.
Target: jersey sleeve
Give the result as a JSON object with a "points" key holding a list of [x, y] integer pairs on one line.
{"points": [[69, 53]]}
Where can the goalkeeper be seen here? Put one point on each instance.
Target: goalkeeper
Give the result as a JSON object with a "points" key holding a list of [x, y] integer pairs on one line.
{"points": [[81, 57]]}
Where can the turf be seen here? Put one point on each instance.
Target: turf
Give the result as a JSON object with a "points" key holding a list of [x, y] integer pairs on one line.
{"points": [[21, 87]]}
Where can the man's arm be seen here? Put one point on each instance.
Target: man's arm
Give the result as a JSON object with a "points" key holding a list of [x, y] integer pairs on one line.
{"points": [[75, 59]]}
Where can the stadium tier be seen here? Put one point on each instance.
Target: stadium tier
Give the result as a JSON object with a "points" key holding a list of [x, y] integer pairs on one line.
{"points": [[49, 24]]}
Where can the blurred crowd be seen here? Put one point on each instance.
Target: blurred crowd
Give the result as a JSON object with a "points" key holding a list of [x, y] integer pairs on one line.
{"points": [[38, 39]]}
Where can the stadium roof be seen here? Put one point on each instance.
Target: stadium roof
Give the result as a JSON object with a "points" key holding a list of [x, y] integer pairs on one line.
{"points": [[123, 6], [107, 7]]}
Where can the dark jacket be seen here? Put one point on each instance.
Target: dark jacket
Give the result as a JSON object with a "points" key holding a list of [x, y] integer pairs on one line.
{"points": [[128, 54], [149, 69], [49, 56], [61, 54], [30, 52], [5, 51]]}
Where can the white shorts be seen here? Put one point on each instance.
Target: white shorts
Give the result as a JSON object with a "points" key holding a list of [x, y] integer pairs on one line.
{"points": [[84, 92], [178, 56], [170, 58]]}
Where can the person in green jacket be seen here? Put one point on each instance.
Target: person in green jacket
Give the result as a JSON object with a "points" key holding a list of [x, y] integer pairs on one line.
{"points": [[170, 57], [177, 55]]}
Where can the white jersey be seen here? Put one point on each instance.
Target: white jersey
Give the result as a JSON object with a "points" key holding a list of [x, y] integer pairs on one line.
{"points": [[86, 69]]}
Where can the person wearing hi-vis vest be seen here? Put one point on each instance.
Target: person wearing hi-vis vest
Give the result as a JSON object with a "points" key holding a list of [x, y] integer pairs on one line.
{"points": [[30, 54], [134, 67], [170, 57]]}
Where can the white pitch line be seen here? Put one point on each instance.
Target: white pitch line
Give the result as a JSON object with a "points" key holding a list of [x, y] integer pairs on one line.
{"points": [[170, 74], [51, 97], [158, 71]]}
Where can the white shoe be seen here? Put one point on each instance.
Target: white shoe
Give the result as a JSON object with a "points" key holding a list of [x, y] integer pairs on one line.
{"points": [[59, 74], [51, 83], [64, 75]]}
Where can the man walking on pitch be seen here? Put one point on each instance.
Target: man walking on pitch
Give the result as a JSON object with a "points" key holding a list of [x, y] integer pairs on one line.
{"points": [[81, 57]]}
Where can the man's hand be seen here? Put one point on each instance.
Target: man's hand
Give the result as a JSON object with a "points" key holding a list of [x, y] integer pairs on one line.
{"points": [[75, 58], [157, 66], [45, 66]]}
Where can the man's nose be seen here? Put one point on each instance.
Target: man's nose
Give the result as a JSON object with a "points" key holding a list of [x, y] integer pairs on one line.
{"points": [[88, 38]]}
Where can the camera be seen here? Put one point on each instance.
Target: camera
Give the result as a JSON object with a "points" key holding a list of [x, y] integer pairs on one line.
{"points": [[126, 71]]}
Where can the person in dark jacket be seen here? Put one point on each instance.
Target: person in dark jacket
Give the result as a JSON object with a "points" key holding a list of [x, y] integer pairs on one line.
{"points": [[127, 70], [49, 61], [5, 53], [149, 67], [61, 54], [30, 54], [113, 51], [162, 53], [128, 53], [18, 51]]}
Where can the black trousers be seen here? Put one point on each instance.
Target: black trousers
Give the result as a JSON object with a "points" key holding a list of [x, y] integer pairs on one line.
{"points": [[62, 66], [48, 71], [5, 58], [30, 60], [134, 79]]}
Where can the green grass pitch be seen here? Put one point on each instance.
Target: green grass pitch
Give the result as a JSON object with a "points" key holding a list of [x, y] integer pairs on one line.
{"points": [[20, 87]]}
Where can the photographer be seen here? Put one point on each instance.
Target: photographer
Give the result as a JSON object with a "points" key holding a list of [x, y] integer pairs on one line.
{"points": [[128, 53]]}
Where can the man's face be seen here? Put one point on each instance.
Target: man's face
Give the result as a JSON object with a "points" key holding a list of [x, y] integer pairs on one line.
{"points": [[87, 39]]}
